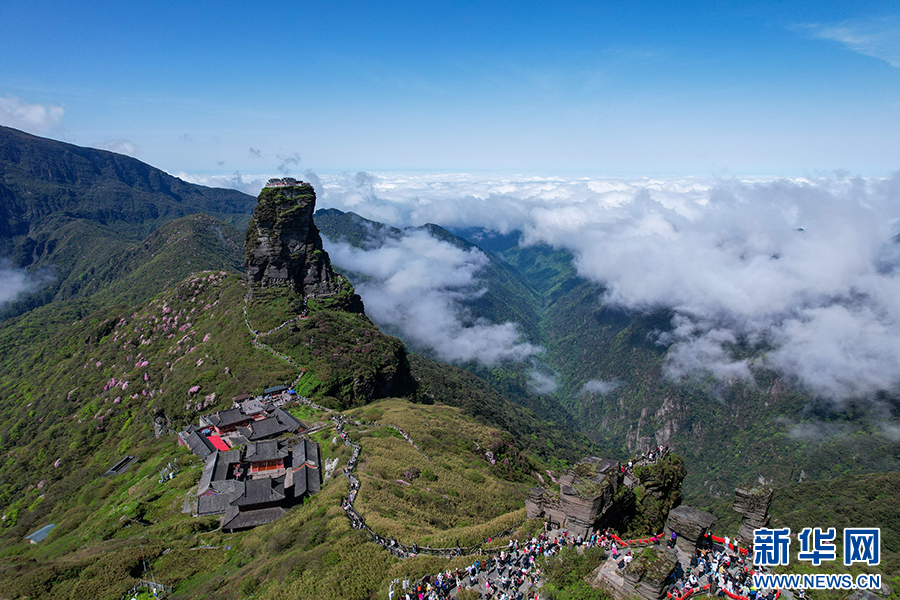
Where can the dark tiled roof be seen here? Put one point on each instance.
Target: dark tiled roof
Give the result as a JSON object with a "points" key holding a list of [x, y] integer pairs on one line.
{"points": [[206, 476], [312, 453], [275, 390], [226, 459], [298, 454], [265, 450], [307, 474], [216, 467], [212, 505], [305, 451], [287, 420], [265, 428], [253, 406], [313, 480], [236, 439], [220, 494], [224, 418], [199, 444], [232, 456], [260, 491], [243, 519], [299, 480]]}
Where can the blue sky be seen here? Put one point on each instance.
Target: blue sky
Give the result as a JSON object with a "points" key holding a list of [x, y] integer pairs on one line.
{"points": [[656, 88]]}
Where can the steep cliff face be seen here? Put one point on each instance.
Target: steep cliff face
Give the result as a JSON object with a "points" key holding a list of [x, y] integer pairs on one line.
{"points": [[283, 245]]}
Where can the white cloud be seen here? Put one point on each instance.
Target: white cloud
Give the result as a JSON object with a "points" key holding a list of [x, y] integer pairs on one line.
{"points": [[878, 38], [120, 146], [15, 282], [33, 118], [542, 383], [416, 286], [808, 268], [598, 386], [818, 431], [699, 349]]}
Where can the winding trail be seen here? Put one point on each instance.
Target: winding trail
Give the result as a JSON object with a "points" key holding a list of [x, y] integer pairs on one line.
{"points": [[357, 521]]}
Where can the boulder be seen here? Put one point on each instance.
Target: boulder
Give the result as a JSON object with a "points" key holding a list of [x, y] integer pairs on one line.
{"points": [[587, 491], [690, 524]]}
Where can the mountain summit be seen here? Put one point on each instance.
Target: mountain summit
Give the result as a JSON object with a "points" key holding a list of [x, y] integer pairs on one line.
{"points": [[283, 245]]}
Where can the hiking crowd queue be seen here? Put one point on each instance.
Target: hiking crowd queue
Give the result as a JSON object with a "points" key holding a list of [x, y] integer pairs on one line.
{"points": [[512, 575]]}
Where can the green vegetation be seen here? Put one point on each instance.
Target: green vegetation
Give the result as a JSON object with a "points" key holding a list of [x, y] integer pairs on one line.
{"points": [[73, 216], [445, 384], [659, 491], [117, 523], [566, 574], [444, 505], [348, 360]]}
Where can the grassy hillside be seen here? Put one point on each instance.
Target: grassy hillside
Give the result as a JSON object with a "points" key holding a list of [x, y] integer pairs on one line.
{"points": [[452, 495], [445, 384]]}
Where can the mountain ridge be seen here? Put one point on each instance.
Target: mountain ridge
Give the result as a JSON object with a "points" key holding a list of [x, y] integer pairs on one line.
{"points": [[57, 200]]}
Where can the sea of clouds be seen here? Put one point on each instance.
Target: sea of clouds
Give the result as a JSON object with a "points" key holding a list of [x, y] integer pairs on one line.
{"points": [[807, 268], [417, 285]]}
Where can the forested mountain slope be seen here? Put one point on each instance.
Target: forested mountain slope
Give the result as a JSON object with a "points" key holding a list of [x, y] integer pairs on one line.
{"points": [[68, 211]]}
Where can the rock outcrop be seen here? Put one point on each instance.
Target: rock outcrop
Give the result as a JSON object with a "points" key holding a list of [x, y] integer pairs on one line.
{"points": [[283, 245], [587, 491], [690, 524], [646, 576], [754, 505]]}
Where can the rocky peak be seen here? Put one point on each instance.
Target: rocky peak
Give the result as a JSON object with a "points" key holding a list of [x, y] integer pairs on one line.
{"points": [[283, 245]]}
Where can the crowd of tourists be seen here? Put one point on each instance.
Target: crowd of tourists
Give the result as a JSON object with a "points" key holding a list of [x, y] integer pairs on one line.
{"points": [[650, 457], [510, 575], [717, 573], [514, 572]]}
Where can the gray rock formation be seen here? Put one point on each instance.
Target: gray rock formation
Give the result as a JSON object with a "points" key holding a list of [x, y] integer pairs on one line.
{"points": [[587, 491], [862, 595], [283, 245], [161, 424], [690, 524], [646, 576], [754, 505]]}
